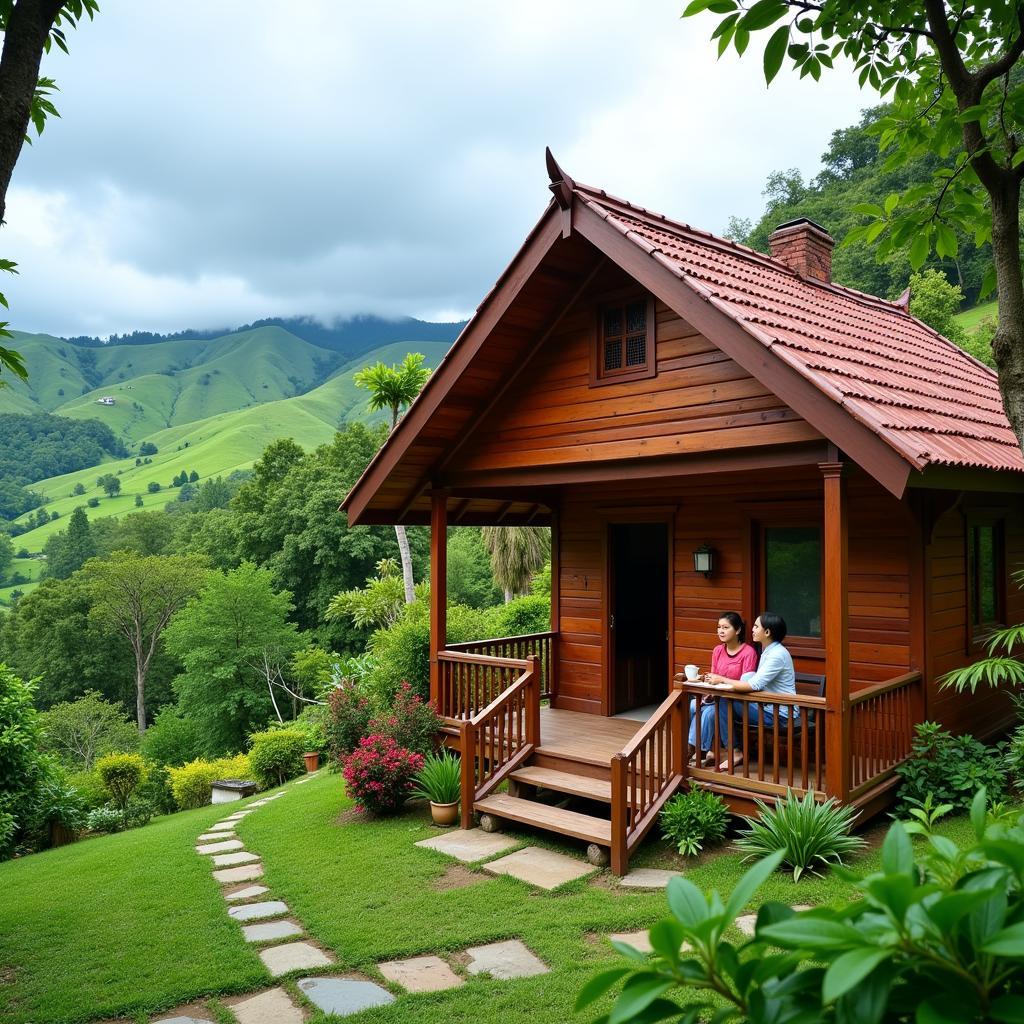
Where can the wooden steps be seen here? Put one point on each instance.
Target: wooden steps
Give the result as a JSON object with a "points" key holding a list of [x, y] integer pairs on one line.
{"points": [[553, 819], [565, 782]]}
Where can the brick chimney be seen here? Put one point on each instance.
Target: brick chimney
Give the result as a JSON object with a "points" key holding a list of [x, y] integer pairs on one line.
{"points": [[805, 247]]}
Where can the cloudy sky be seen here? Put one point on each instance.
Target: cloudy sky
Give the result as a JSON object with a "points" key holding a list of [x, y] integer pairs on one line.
{"points": [[221, 161]]}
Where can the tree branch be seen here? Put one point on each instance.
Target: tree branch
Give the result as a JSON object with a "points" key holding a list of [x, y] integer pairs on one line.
{"points": [[1003, 65]]}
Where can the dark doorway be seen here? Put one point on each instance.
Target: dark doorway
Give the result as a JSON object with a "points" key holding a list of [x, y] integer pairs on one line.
{"points": [[638, 623]]}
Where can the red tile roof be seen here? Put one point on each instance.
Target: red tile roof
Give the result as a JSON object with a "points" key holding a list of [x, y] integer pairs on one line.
{"points": [[924, 396]]}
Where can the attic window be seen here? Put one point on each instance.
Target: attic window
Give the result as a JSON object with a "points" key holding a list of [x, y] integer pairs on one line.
{"points": [[625, 342]]}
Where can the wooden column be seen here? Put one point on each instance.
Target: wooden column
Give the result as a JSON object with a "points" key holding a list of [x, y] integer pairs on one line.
{"points": [[836, 632], [438, 584], [556, 604]]}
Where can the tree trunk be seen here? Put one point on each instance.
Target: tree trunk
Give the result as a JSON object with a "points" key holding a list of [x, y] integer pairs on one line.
{"points": [[1008, 343], [403, 547], [140, 696], [509, 596]]}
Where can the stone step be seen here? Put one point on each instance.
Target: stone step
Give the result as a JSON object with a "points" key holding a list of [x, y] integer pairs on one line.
{"points": [[565, 782], [553, 819]]}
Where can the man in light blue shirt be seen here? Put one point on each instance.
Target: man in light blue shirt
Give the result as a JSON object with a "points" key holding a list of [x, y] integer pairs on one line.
{"points": [[775, 674]]}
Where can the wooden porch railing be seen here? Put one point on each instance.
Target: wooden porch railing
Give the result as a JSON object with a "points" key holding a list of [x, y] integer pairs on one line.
{"points": [[787, 754], [497, 739], [468, 683], [518, 647], [645, 773], [883, 717]]}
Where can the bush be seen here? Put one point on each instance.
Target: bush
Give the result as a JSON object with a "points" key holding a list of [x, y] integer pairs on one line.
{"points": [[349, 719], [936, 938], [379, 774], [89, 788], [81, 730], [689, 820], [121, 774], [23, 768], [192, 783], [1015, 758], [172, 739], [807, 833], [313, 722], [440, 778], [950, 768], [156, 791], [276, 756], [93, 502], [523, 615], [153, 487], [59, 804], [106, 819], [411, 722]]}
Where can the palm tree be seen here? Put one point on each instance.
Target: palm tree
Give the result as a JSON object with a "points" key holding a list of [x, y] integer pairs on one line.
{"points": [[395, 388], [517, 552]]}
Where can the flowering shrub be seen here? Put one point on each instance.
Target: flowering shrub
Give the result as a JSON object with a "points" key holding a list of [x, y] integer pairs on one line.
{"points": [[380, 774], [349, 721], [411, 723]]}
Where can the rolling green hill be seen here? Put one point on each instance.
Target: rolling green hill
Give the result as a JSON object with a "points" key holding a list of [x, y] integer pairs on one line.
{"points": [[970, 318], [212, 446]]}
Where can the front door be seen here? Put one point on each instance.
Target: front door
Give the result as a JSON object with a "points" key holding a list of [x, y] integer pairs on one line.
{"points": [[638, 636]]}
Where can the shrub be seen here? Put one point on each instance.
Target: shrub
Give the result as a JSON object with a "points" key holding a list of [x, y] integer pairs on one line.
{"points": [[807, 833], [106, 819], [1015, 758], [313, 723], [523, 615], [90, 789], [59, 804], [440, 778], [350, 714], [379, 774], [172, 739], [23, 768], [192, 783], [153, 486], [950, 768], [689, 820], [156, 791], [93, 502], [121, 774], [411, 722], [276, 756], [80, 730], [936, 938]]}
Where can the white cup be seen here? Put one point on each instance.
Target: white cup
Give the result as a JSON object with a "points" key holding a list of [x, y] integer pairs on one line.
{"points": [[692, 671]]}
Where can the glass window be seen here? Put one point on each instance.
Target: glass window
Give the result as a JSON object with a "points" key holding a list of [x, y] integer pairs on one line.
{"points": [[792, 577], [985, 573], [626, 340]]}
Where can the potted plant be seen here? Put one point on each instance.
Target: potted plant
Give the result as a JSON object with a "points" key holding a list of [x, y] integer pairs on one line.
{"points": [[312, 760], [439, 781]]}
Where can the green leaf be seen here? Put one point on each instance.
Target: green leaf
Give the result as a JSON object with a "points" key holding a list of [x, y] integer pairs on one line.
{"points": [[628, 951], [805, 932], [775, 52], [666, 939], [975, 113], [1007, 1008], [897, 852], [751, 881], [868, 209], [763, 14], [919, 250], [849, 970], [979, 813], [945, 240], [1008, 942], [891, 202], [598, 985], [637, 994], [686, 902]]}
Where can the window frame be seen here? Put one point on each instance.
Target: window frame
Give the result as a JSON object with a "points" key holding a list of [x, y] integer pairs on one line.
{"points": [[598, 374], [977, 633]]}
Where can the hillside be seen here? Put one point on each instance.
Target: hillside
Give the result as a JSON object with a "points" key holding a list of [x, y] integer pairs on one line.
{"points": [[216, 445]]}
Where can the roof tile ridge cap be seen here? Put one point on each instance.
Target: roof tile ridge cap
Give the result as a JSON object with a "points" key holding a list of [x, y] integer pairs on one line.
{"points": [[700, 234]]}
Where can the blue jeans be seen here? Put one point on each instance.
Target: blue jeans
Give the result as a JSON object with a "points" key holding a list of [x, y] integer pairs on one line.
{"points": [[706, 713], [756, 713]]}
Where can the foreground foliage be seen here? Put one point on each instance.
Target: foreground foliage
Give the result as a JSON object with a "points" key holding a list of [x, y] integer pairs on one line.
{"points": [[936, 938], [691, 819]]}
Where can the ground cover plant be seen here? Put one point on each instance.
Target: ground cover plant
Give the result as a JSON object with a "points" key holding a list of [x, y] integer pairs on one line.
{"points": [[691, 819]]}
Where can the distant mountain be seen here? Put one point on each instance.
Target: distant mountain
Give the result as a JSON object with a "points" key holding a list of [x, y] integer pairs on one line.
{"points": [[351, 337]]}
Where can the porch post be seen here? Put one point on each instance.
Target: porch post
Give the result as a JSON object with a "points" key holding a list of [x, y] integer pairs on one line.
{"points": [[438, 586], [836, 623]]}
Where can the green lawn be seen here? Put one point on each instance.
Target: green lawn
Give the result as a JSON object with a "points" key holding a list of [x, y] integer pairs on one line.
{"points": [[138, 923], [970, 318]]}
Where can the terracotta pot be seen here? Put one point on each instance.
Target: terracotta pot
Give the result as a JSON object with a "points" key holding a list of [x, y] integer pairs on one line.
{"points": [[312, 761], [444, 814]]}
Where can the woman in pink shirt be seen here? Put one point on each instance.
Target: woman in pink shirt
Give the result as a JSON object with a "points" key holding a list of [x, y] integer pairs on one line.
{"points": [[730, 659]]}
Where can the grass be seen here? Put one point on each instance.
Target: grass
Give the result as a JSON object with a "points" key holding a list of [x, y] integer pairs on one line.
{"points": [[969, 319], [140, 926]]}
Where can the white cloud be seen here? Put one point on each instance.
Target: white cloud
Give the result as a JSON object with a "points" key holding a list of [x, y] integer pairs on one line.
{"points": [[232, 161]]}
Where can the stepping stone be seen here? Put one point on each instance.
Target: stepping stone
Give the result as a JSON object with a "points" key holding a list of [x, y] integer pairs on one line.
{"points": [[243, 874], [271, 930], [469, 845], [293, 956], [747, 923], [504, 960], [648, 878], [543, 868], [227, 860], [211, 836], [181, 1020], [228, 844], [421, 974], [223, 826], [246, 894], [271, 1007], [254, 911], [638, 940], [344, 996]]}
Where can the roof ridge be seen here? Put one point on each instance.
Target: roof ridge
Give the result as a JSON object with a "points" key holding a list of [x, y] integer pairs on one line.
{"points": [[745, 250]]}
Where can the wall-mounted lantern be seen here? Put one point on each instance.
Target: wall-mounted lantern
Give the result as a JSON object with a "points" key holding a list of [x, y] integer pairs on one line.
{"points": [[704, 560]]}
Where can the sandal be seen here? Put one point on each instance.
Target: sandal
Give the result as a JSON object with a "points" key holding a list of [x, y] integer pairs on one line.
{"points": [[737, 761]]}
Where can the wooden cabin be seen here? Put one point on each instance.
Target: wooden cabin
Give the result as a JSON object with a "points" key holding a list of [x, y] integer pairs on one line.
{"points": [[704, 428]]}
